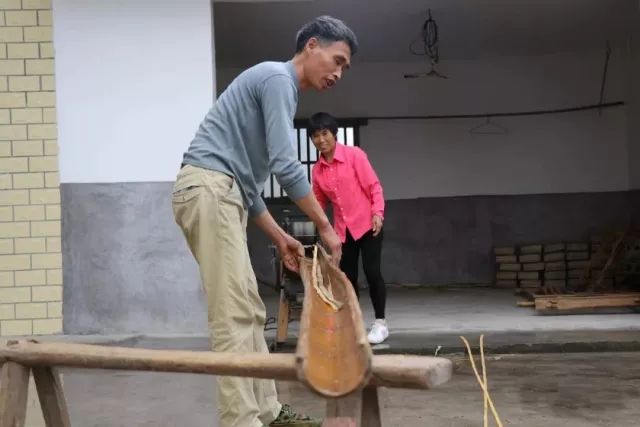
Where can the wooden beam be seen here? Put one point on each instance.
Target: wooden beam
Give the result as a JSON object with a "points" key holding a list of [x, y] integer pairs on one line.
{"points": [[414, 372], [371, 416], [54, 406], [585, 301], [14, 386], [344, 411], [283, 318]]}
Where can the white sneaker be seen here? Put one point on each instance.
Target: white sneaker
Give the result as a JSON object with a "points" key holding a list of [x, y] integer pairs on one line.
{"points": [[379, 332]]}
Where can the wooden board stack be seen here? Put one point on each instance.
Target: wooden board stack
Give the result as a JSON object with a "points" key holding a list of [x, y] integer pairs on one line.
{"points": [[557, 266], [530, 257], [508, 267], [578, 258]]}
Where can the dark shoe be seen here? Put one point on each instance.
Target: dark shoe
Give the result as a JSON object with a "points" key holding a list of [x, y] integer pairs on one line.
{"points": [[288, 418]]}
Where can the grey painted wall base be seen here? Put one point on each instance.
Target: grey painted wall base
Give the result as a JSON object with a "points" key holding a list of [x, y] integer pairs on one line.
{"points": [[450, 239], [127, 268]]}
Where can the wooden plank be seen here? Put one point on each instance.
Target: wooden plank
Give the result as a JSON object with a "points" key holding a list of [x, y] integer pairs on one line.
{"points": [[504, 251], [577, 247], [14, 386], [54, 406], [577, 256], [529, 275], [538, 266], [283, 318], [530, 258], [506, 259], [370, 416], [554, 257], [531, 249], [574, 302], [555, 266], [526, 304], [553, 247], [398, 371], [343, 412], [555, 275], [509, 267]]}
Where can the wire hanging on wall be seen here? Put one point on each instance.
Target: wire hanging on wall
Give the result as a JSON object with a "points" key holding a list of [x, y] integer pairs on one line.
{"points": [[607, 57], [429, 39]]}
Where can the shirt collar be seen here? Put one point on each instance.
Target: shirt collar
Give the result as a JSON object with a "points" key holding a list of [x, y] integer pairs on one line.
{"points": [[338, 155], [292, 72]]}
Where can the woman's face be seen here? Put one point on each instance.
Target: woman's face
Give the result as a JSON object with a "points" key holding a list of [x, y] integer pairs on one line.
{"points": [[324, 141]]}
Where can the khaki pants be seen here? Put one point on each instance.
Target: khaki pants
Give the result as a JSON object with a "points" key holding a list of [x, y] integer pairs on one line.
{"points": [[208, 208]]}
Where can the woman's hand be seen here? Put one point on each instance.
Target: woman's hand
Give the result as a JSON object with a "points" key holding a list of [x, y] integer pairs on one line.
{"points": [[332, 242], [377, 225]]}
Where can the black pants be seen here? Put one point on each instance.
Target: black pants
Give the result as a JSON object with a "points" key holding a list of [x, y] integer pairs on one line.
{"points": [[371, 248]]}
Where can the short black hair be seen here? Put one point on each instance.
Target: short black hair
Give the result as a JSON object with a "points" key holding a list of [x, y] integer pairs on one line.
{"points": [[321, 121], [326, 29]]}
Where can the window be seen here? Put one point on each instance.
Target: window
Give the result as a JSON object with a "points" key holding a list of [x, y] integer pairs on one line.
{"points": [[348, 134]]}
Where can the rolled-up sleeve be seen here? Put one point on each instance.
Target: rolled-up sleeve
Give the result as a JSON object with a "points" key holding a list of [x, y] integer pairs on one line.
{"points": [[369, 182]]}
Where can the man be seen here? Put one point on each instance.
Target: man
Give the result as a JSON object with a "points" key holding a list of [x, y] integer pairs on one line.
{"points": [[247, 135]]}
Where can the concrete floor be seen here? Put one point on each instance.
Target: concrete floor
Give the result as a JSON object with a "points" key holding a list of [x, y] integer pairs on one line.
{"points": [[423, 319], [552, 387], [572, 390]]}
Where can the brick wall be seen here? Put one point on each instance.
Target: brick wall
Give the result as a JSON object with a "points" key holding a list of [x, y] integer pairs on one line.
{"points": [[30, 252]]}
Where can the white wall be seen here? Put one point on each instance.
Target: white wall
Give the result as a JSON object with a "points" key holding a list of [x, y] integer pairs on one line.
{"points": [[573, 152], [134, 80], [577, 152]]}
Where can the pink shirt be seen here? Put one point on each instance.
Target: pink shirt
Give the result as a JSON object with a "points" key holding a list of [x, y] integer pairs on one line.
{"points": [[350, 184]]}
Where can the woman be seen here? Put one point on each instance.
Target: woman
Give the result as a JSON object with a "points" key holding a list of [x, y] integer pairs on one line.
{"points": [[344, 177]]}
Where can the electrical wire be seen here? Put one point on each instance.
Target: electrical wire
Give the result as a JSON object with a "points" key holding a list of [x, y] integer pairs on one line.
{"points": [[498, 114], [429, 39]]}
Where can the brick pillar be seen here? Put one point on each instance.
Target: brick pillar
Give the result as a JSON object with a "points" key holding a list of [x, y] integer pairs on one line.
{"points": [[30, 252]]}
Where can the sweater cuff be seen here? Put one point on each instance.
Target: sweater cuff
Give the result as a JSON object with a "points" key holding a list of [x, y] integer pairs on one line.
{"points": [[257, 207], [299, 189]]}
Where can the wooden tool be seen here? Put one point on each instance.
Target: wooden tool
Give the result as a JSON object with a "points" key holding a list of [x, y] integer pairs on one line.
{"points": [[333, 355]]}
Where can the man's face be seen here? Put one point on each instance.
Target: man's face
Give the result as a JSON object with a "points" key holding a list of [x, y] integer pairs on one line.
{"points": [[326, 62], [324, 141]]}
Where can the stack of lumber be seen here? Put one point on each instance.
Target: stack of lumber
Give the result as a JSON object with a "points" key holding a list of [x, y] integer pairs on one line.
{"points": [[508, 267], [557, 266]]}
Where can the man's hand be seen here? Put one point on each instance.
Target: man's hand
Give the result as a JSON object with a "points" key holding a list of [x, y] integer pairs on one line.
{"points": [[332, 242], [377, 225], [288, 247], [290, 251]]}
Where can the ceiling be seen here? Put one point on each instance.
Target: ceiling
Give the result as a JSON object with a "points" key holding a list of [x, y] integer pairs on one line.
{"points": [[249, 32]]}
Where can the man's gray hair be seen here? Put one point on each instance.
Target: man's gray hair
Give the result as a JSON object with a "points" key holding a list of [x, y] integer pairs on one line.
{"points": [[326, 29]]}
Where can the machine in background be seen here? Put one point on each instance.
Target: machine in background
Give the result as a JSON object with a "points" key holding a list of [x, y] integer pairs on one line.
{"points": [[288, 283]]}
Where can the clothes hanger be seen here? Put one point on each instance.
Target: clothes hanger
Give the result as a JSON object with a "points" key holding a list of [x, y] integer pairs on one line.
{"points": [[488, 128]]}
